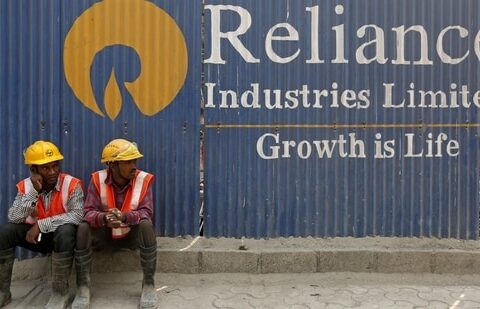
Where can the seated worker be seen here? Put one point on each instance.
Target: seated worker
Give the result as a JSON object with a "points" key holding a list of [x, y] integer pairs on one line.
{"points": [[43, 218], [118, 213]]}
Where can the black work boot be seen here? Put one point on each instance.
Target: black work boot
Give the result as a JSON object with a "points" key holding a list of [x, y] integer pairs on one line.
{"points": [[61, 268], [6, 266], [83, 262], [148, 260]]}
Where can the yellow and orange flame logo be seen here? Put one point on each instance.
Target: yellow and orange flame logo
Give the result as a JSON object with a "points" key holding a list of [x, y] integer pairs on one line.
{"points": [[138, 24]]}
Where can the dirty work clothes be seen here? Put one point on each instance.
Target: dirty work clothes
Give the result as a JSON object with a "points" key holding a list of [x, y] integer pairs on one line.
{"points": [[99, 239], [61, 240]]}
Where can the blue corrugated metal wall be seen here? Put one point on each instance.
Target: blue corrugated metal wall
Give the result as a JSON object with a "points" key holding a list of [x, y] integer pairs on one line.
{"points": [[38, 103], [247, 195], [346, 194]]}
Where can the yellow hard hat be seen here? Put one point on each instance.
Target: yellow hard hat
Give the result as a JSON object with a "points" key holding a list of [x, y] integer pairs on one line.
{"points": [[41, 152], [120, 150]]}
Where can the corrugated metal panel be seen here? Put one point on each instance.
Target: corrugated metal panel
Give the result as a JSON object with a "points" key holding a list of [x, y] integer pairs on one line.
{"points": [[45, 83], [347, 194], [247, 195]]}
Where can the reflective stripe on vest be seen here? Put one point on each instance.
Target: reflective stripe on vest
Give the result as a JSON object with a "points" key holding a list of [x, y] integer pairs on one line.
{"points": [[65, 189], [58, 200], [102, 176], [133, 197], [137, 189], [27, 187]]}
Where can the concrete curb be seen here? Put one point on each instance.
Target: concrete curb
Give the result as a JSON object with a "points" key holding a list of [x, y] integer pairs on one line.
{"points": [[436, 262], [289, 255]]}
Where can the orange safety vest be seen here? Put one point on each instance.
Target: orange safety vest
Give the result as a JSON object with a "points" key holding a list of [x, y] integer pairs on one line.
{"points": [[134, 196], [58, 201]]}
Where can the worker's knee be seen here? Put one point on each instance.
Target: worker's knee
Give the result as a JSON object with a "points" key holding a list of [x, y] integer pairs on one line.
{"points": [[64, 238], [146, 233]]}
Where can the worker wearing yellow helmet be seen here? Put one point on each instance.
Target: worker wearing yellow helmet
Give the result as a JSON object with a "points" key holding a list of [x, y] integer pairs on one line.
{"points": [[118, 213], [43, 218]]}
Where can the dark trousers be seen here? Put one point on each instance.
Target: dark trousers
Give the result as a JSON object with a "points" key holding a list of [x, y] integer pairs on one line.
{"points": [[98, 239], [13, 234]]}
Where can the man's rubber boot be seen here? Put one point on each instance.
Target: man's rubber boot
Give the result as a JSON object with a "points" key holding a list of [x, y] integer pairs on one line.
{"points": [[148, 260], [61, 268], [83, 262], [6, 266]]}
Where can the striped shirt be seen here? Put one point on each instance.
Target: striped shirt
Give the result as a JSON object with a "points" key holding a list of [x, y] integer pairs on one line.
{"points": [[25, 204]]}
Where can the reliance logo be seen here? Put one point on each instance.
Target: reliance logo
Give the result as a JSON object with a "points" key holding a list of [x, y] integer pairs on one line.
{"points": [[142, 26]]}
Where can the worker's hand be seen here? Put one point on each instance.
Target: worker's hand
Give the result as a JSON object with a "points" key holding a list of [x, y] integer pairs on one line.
{"points": [[114, 224], [112, 221], [36, 179], [118, 214], [32, 234]]}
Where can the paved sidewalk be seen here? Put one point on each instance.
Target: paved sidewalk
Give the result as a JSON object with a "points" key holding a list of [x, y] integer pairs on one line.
{"points": [[311, 290], [195, 272]]}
